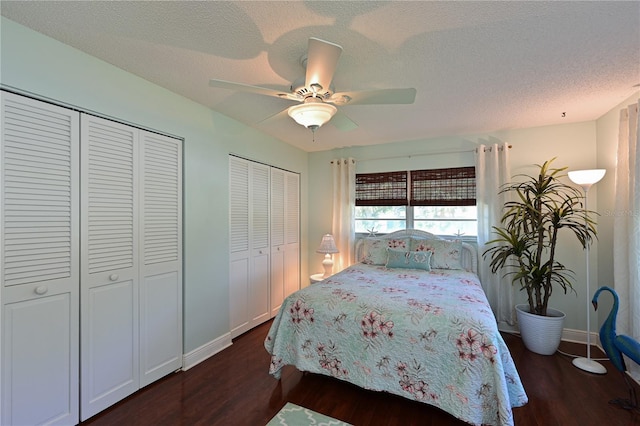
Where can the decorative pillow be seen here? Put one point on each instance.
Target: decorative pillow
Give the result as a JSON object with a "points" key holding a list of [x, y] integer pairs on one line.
{"points": [[399, 243], [418, 244], [408, 259], [375, 249], [445, 254]]}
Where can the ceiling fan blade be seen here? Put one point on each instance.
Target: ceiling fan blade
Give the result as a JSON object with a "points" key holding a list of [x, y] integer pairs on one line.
{"points": [[277, 116], [222, 84], [375, 97], [322, 60], [341, 122]]}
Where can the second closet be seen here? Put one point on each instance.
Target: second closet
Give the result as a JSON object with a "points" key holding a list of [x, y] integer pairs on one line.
{"points": [[264, 210]]}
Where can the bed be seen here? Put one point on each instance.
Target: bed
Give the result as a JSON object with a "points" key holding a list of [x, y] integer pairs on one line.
{"points": [[411, 319]]}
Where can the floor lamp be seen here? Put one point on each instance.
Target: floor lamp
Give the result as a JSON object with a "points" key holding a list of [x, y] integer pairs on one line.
{"points": [[587, 178]]}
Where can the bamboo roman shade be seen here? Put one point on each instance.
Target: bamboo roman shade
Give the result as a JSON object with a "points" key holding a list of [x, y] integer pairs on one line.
{"points": [[435, 187], [444, 187], [381, 189]]}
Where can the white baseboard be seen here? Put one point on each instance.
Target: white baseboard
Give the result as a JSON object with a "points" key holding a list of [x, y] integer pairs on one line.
{"points": [[580, 336], [205, 351], [506, 328], [568, 334]]}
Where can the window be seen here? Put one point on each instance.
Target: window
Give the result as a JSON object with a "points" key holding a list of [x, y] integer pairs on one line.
{"points": [[380, 219], [446, 220], [440, 201]]}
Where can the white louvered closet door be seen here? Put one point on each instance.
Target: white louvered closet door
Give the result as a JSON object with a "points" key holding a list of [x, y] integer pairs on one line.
{"points": [[239, 253], [260, 251], [264, 247], [161, 256], [39, 255], [285, 234], [109, 259], [249, 244], [277, 239], [285, 231], [292, 234]]}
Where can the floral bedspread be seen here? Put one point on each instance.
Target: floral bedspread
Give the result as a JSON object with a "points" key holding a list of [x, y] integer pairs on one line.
{"points": [[427, 336]]}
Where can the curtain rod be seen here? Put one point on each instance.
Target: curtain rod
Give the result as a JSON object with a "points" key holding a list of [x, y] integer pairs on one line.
{"points": [[345, 160], [422, 154]]}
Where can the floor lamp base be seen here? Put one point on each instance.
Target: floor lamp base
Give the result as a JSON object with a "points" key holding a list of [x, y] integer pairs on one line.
{"points": [[589, 365]]}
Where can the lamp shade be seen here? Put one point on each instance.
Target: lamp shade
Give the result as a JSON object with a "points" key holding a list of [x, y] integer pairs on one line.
{"points": [[312, 114], [327, 245], [586, 178]]}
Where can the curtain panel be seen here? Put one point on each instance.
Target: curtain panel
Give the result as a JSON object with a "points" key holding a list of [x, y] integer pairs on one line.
{"points": [[626, 229], [493, 170], [344, 190]]}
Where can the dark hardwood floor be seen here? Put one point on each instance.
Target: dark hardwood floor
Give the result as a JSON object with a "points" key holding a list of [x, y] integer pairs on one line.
{"points": [[234, 388]]}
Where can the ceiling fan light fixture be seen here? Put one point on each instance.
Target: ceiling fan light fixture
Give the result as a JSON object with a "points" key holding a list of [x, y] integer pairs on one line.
{"points": [[312, 115]]}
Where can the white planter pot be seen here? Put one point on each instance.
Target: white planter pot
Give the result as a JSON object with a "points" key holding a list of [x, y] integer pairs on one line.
{"points": [[540, 334]]}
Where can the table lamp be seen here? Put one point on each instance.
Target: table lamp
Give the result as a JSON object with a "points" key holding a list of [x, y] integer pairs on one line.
{"points": [[328, 247]]}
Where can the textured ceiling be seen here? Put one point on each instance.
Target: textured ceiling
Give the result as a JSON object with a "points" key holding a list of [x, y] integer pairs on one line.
{"points": [[478, 67]]}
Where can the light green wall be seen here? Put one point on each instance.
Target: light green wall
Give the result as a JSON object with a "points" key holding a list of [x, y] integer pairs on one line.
{"points": [[574, 145], [38, 64]]}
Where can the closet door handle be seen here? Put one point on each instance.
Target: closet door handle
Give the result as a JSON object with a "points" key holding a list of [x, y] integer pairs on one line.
{"points": [[41, 289], [114, 277]]}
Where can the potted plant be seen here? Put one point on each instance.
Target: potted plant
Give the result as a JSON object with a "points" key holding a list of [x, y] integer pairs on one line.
{"points": [[540, 208]]}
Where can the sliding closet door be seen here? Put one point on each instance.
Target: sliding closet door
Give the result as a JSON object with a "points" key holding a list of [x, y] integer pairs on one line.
{"points": [[39, 262], [109, 259], [160, 256]]}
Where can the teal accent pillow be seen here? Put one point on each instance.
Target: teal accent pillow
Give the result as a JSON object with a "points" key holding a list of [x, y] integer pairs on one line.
{"points": [[408, 259]]}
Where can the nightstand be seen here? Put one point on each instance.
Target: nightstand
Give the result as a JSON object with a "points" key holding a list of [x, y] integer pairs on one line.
{"points": [[316, 278]]}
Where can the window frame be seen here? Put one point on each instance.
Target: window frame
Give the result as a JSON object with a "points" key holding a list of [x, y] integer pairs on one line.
{"points": [[447, 175]]}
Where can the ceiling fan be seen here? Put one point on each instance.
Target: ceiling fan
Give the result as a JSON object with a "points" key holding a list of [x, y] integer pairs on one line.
{"points": [[315, 93]]}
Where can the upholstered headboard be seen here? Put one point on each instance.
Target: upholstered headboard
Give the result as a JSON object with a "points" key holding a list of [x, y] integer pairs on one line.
{"points": [[469, 253]]}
